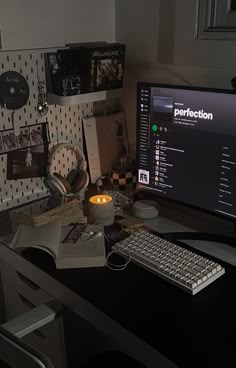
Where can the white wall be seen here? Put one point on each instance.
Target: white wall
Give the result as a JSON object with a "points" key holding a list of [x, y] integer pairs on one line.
{"points": [[189, 50], [28, 24], [190, 63], [137, 26]]}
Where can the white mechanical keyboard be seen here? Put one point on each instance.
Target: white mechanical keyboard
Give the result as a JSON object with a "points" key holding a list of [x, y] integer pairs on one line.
{"points": [[172, 262]]}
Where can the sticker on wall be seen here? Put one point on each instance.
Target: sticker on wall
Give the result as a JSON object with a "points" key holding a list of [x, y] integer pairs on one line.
{"points": [[29, 136], [29, 162], [14, 90]]}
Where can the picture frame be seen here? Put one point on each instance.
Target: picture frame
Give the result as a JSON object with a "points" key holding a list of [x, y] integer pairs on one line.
{"points": [[29, 136], [28, 162]]}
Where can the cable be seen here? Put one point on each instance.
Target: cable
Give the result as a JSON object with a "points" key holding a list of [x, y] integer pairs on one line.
{"points": [[3, 244], [90, 235], [110, 238], [120, 267], [117, 267]]}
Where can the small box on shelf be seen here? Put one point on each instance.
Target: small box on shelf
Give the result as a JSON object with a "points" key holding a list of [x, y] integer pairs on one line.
{"points": [[83, 69]]}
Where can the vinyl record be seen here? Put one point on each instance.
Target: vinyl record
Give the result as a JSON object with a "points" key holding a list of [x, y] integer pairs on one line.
{"points": [[14, 90]]}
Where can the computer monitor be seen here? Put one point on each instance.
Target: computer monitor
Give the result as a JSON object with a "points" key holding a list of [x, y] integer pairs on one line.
{"points": [[186, 146]]}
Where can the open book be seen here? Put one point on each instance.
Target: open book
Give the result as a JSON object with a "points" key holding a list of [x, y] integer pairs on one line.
{"points": [[71, 246]]}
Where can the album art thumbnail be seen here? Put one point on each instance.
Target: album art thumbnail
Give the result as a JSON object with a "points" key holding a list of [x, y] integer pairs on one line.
{"points": [[109, 73], [53, 62], [143, 176], [29, 162], [163, 109]]}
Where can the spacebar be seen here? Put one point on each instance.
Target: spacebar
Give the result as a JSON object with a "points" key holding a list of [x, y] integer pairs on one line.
{"points": [[157, 267]]}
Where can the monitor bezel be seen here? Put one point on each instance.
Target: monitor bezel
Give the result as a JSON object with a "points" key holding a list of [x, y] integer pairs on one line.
{"points": [[151, 193]]}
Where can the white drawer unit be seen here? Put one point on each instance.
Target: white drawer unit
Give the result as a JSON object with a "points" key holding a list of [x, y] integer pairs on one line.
{"points": [[20, 296]]}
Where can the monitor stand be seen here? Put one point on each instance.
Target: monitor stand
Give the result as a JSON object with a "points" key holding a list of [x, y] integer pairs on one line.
{"points": [[190, 235], [213, 236]]}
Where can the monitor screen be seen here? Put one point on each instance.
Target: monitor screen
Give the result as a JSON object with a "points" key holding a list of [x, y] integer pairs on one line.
{"points": [[186, 145]]}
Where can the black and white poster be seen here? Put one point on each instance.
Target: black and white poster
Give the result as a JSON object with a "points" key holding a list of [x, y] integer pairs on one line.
{"points": [[27, 153], [28, 162]]}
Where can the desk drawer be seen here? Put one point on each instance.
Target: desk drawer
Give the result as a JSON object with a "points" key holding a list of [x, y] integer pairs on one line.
{"points": [[14, 282], [49, 339], [20, 296], [30, 291]]}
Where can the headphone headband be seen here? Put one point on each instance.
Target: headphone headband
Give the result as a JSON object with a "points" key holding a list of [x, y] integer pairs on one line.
{"points": [[82, 164]]}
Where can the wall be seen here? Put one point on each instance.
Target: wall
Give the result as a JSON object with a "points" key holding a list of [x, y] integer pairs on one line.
{"points": [[28, 24], [64, 123], [163, 30], [34, 26]]}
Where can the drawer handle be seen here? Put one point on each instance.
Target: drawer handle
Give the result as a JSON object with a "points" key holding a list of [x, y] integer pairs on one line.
{"points": [[31, 305], [27, 281], [26, 301], [39, 334]]}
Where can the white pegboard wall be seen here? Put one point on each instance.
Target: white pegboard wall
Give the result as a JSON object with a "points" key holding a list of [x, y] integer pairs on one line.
{"points": [[64, 122]]}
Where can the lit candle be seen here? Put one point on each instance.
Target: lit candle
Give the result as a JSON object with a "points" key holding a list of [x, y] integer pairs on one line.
{"points": [[101, 210]]}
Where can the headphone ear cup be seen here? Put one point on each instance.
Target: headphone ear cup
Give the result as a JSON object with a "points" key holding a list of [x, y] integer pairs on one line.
{"points": [[73, 176], [55, 185], [64, 183], [80, 181]]}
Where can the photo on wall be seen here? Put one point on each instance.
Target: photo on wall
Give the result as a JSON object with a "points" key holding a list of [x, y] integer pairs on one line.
{"points": [[24, 137], [8, 141], [29, 162], [29, 136], [37, 134]]}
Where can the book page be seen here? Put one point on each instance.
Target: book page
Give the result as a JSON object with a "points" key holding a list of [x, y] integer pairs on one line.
{"points": [[45, 237], [75, 252], [71, 234]]}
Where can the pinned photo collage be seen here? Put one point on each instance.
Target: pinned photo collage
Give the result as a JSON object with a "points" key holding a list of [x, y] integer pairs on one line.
{"points": [[29, 136], [27, 153]]}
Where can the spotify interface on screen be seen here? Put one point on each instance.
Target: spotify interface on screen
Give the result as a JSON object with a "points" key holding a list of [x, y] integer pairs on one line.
{"points": [[186, 146]]}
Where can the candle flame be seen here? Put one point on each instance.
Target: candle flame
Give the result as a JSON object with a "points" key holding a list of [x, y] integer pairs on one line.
{"points": [[100, 199]]}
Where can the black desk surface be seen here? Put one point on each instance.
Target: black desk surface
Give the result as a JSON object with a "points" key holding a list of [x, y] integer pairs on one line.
{"points": [[191, 331]]}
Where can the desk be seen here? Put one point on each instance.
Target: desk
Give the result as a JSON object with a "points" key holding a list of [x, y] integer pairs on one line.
{"points": [[189, 331]]}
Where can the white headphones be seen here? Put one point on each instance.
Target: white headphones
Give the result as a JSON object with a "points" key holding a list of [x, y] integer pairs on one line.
{"points": [[76, 180]]}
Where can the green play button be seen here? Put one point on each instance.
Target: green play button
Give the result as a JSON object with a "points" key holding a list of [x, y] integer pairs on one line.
{"points": [[154, 128]]}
